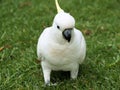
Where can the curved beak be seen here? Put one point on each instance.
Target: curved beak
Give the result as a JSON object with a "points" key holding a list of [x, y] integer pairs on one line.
{"points": [[67, 34]]}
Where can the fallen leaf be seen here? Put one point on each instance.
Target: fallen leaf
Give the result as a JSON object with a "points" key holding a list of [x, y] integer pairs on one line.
{"points": [[38, 61], [25, 4], [1, 48], [87, 32]]}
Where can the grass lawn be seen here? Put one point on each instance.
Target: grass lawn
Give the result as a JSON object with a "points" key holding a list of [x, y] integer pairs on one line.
{"points": [[21, 23]]}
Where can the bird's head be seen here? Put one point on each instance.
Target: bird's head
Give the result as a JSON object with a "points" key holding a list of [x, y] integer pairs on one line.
{"points": [[64, 22]]}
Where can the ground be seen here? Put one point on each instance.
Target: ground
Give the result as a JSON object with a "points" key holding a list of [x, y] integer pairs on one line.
{"points": [[21, 23]]}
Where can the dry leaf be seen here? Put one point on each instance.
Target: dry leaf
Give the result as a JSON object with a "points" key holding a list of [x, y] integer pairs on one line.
{"points": [[1, 48], [25, 4], [87, 32], [38, 61]]}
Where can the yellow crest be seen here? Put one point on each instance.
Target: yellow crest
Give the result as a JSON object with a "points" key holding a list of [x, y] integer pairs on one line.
{"points": [[58, 7]]}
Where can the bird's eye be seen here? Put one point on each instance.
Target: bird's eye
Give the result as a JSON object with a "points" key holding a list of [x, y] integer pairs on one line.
{"points": [[58, 27]]}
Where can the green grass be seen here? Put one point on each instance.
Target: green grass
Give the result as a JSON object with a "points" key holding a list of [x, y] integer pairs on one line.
{"points": [[21, 23]]}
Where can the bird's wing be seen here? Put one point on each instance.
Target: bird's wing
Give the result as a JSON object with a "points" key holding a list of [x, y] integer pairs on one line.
{"points": [[40, 44], [82, 44]]}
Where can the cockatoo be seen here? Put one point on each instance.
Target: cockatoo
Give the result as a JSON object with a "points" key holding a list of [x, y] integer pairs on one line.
{"points": [[61, 46]]}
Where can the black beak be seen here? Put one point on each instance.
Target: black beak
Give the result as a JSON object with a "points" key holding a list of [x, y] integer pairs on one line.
{"points": [[67, 34]]}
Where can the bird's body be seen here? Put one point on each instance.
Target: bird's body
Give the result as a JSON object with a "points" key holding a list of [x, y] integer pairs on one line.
{"points": [[61, 46], [61, 55]]}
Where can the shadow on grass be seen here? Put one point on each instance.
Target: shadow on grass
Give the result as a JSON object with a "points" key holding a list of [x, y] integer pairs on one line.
{"points": [[60, 76], [84, 71]]}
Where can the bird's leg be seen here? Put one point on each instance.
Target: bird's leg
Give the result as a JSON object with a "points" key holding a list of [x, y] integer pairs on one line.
{"points": [[74, 73], [47, 77], [46, 73]]}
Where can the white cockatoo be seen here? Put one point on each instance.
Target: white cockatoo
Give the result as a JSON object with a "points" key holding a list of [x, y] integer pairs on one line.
{"points": [[61, 46]]}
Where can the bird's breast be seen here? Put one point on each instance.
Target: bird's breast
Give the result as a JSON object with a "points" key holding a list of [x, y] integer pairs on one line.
{"points": [[61, 55]]}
